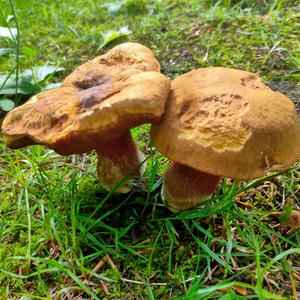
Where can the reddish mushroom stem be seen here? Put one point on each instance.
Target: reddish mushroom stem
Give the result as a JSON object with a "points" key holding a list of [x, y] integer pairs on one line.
{"points": [[118, 159], [185, 187]]}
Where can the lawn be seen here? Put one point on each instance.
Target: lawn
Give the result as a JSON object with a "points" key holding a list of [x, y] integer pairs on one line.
{"points": [[62, 236]]}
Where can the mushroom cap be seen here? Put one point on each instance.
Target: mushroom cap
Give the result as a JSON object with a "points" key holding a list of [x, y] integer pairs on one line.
{"points": [[119, 58], [74, 119], [226, 122]]}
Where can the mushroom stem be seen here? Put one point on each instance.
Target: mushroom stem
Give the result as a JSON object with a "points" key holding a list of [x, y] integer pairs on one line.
{"points": [[118, 159], [185, 187]]}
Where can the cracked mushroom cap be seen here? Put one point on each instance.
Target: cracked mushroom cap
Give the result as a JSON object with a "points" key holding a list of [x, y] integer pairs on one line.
{"points": [[72, 120], [226, 122]]}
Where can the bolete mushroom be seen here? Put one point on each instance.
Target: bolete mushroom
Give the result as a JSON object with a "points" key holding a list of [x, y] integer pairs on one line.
{"points": [[95, 109], [222, 122]]}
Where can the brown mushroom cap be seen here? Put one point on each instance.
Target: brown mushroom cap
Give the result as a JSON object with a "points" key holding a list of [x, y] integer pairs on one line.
{"points": [[113, 62], [226, 122], [71, 119]]}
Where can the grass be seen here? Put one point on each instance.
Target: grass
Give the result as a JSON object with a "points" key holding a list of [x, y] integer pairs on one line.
{"points": [[57, 223]]}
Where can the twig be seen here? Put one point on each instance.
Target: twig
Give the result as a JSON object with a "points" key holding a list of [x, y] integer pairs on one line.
{"points": [[109, 260], [104, 286], [208, 277], [295, 293], [244, 204], [99, 265], [145, 250]]}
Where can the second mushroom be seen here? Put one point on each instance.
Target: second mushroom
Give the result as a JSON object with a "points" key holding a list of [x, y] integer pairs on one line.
{"points": [[222, 122]]}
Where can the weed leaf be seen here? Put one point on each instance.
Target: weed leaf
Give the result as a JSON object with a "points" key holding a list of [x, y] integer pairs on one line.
{"points": [[29, 80], [9, 86], [6, 104], [51, 86], [28, 51], [113, 35], [38, 74]]}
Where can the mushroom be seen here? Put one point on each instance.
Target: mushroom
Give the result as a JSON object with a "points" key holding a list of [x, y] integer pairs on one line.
{"points": [[222, 122], [95, 109]]}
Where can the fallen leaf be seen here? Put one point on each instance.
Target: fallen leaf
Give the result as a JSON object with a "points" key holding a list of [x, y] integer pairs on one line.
{"points": [[240, 290]]}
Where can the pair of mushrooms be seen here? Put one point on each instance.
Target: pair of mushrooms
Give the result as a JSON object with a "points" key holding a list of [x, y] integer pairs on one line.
{"points": [[211, 122]]}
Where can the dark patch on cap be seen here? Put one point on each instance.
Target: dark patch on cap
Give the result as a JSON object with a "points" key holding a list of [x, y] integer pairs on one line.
{"points": [[236, 97], [95, 95], [184, 108], [59, 121], [90, 101], [91, 80]]}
